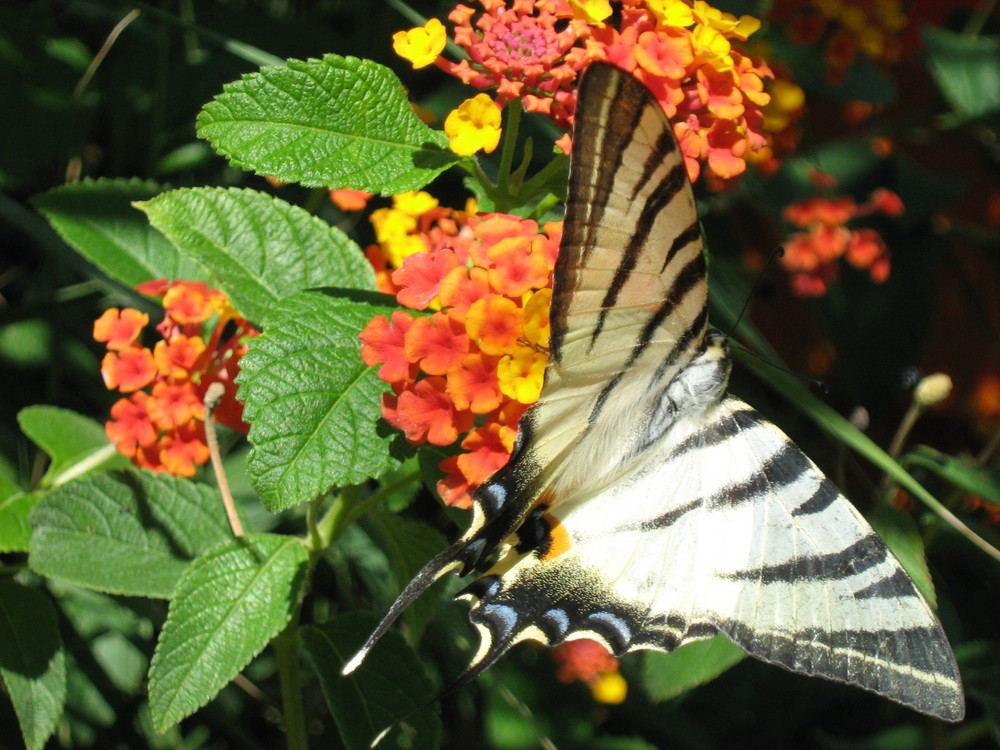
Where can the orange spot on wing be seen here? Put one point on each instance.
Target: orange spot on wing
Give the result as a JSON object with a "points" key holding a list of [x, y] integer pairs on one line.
{"points": [[559, 541]]}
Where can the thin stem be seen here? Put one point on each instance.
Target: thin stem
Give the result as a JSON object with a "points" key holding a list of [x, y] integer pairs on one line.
{"points": [[244, 51], [509, 145], [903, 431], [345, 510], [359, 509], [989, 449], [104, 50], [537, 183], [213, 395], [286, 649]]}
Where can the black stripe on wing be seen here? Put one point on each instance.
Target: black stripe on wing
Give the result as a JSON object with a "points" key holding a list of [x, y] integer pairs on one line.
{"points": [[666, 191], [591, 182], [682, 240], [690, 276], [892, 587], [911, 665], [865, 554], [778, 471], [682, 284]]}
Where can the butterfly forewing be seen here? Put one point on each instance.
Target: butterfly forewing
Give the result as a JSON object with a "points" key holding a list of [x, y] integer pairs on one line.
{"points": [[630, 282]]}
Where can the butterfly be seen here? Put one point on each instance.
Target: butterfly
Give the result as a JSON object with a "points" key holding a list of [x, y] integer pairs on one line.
{"points": [[642, 506]]}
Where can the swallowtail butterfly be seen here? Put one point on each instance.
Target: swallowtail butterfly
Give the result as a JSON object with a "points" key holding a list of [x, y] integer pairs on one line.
{"points": [[642, 506]]}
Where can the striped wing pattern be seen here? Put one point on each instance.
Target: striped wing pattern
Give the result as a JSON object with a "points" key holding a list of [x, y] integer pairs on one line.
{"points": [[766, 551], [644, 508]]}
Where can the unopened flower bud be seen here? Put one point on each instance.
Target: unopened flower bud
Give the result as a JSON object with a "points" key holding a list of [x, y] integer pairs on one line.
{"points": [[931, 390]]}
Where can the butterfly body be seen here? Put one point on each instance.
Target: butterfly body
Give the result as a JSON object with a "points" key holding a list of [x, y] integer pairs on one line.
{"points": [[642, 506]]}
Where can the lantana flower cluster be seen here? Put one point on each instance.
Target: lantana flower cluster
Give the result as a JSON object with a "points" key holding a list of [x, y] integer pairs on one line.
{"points": [[846, 29], [160, 424], [534, 50], [469, 369], [811, 255], [415, 223]]}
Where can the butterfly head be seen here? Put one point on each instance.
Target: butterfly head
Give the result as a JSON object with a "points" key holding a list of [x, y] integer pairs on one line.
{"points": [[716, 344]]}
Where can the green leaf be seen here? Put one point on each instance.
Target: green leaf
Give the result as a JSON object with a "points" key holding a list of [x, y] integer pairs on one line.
{"points": [[8, 487], [15, 529], [75, 443], [408, 545], [668, 675], [32, 661], [228, 605], [259, 249], [97, 219], [313, 406], [389, 687], [961, 471], [900, 533], [128, 532], [337, 122], [966, 69]]}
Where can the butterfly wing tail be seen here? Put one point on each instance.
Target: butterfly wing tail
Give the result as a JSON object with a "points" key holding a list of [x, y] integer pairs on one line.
{"points": [[445, 562]]}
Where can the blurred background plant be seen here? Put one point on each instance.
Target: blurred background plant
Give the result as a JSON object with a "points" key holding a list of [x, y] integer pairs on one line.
{"points": [[881, 181]]}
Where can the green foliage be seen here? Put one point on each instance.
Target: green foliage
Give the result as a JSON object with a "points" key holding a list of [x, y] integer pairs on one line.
{"points": [[312, 404], [389, 693], [74, 444], [15, 530], [408, 545], [32, 661], [256, 248], [228, 605], [963, 472], [335, 122], [666, 676], [966, 69], [97, 219], [125, 533]]}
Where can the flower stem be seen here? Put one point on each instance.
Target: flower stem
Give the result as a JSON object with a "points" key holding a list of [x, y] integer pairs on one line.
{"points": [[537, 183], [286, 648], [213, 395], [509, 144]]}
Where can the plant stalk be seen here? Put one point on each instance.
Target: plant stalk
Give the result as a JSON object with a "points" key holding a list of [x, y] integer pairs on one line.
{"points": [[286, 648]]}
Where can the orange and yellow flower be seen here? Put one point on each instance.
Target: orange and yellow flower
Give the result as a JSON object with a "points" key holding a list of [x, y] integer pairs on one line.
{"points": [[588, 661], [811, 255], [161, 424], [467, 371], [686, 52]]}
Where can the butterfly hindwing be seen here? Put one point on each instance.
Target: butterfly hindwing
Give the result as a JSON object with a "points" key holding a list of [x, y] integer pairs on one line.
{"points": [[767, 551]]}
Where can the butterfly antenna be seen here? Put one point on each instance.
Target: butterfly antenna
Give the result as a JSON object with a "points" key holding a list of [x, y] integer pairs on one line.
{"points": [[778, 252], [819, 385]]}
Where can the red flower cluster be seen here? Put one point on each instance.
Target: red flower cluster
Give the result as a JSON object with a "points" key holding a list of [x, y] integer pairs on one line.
{"points": [[588, 661], [163, 427], [711, 91], [519, 51], [811, 255], [477, 363], [535, 49], [845, 29]]}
